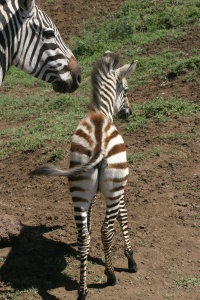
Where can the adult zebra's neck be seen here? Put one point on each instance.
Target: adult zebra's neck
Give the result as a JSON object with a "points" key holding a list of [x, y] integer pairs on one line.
{"points": [[10, 25]]}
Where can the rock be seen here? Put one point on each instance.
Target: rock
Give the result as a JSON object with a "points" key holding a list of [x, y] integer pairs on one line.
{"points": [[10, 228]]}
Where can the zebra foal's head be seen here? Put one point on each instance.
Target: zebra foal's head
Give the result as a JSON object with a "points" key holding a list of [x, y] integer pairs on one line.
{"points": [[33, 43], [110, 86]]}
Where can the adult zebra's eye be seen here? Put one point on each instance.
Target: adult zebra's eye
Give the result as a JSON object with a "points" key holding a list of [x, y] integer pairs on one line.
{"points": [[48, 34]]}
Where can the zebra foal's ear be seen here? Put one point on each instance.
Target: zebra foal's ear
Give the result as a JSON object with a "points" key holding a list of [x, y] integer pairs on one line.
{"points": [[126, 69], [27, 5]]}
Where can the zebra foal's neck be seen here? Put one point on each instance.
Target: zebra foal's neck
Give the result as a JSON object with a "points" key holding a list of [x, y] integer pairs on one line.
{"points": [[104, 84]]}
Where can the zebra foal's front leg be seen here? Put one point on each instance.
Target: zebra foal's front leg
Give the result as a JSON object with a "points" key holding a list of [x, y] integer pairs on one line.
{"points": [[123, 220], [83, 243]]}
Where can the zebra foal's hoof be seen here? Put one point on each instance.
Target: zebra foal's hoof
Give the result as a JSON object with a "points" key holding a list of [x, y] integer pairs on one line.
{"points": [[132, 266], [111, 278], [82, 295]]}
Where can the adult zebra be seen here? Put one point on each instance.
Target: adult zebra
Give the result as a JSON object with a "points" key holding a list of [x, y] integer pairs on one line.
{"points": [[30, 41], [98, 162]]}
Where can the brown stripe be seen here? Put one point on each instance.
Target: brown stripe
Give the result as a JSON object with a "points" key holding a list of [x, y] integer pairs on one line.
{"points": [[79, 178], [79, 199], [98, 121], [86, 125], [85, 136], [107, 127], [119, 165], [118, 188], [80, 149], [77, 188], [110, 137], [116, 149], [118, 179]]}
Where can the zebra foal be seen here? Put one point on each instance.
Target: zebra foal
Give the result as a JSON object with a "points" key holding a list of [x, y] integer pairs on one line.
{"points": [[30, 41], [98, 163]]}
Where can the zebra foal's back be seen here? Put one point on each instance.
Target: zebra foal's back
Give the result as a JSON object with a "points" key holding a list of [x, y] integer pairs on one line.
{"points": [[98, 142]]}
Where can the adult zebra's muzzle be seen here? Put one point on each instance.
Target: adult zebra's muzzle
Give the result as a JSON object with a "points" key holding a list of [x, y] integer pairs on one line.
{"points": [[124, 113], [73, 82]]}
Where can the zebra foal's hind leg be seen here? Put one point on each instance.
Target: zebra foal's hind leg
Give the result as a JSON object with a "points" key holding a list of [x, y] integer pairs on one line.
{"points": [[83, 243], [123, 220], [83, 190], [89, 215], [107, 233]]}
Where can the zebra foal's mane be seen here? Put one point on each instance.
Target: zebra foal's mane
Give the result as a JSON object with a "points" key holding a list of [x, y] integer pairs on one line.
{"points": [[102, 67]]}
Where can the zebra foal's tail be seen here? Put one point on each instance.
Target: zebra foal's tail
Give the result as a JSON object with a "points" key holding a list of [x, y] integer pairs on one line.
{"points": [[50, 170]]}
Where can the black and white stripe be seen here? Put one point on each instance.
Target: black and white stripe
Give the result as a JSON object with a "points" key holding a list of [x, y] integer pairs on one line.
{"points": [[98, 163], [30, 41]]}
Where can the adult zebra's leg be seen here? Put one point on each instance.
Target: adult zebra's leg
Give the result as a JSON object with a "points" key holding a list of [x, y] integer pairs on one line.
{"points": [[123, 220], [107, 233], [83, 243]]}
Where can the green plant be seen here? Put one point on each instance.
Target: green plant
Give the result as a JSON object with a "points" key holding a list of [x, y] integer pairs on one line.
{"points": [[134, 157], [56, 155], [155, 151], [50, 1], [160, 110], [187, 283], [99, 279], [2, 259]]}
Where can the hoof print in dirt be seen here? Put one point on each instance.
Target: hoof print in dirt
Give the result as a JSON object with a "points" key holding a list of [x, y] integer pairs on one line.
{"points": [[10, 228]]}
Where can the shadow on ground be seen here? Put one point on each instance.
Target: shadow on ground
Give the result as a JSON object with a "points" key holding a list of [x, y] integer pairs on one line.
{"points": [[37, 262]]}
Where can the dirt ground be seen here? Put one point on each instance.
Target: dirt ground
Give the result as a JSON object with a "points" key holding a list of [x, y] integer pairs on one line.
{"points": [[162, 199]]}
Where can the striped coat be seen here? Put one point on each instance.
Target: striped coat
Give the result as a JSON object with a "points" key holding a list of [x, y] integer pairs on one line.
{"points": [[98, 163]]}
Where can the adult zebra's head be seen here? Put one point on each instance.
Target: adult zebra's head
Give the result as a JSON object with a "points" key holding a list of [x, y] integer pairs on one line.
{"points": [[39, 49]]}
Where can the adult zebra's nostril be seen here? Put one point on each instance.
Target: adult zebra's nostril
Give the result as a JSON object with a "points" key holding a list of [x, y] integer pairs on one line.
{"points": [[79, 78]]}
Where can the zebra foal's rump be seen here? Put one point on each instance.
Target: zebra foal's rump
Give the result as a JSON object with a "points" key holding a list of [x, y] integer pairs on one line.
{"points": [[30, 41], [98, 163]]}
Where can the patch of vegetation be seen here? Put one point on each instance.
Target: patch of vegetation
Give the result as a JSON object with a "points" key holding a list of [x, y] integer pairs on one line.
{"points": [[160, 110], [56, 155], [178, 136], [132, 20], [15, 77], [154, 151], [29, 294], [2, 259], [188, 283], [50, 1], [134, 157], [99, 279], [190, 67]]}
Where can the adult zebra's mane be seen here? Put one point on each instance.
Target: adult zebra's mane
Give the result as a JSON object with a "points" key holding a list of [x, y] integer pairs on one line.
{"points": [[101, 69]]}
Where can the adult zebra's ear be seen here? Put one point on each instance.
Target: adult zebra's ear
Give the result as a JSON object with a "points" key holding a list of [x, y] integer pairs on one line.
{"points": [[126, 69], [27, 5]]}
